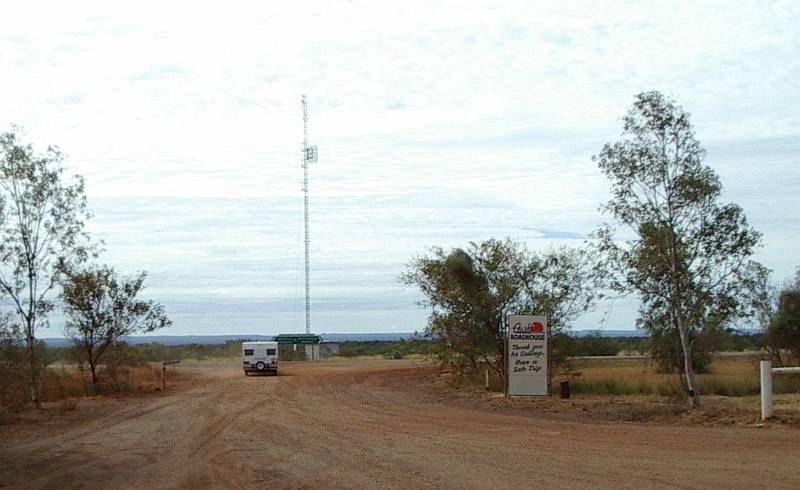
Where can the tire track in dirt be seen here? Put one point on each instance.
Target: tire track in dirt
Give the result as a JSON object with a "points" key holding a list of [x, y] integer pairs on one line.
{"points": [[367, 425]]}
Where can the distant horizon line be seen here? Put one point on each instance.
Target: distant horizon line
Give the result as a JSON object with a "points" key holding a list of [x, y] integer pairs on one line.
{"points": [[326, 337], [395, 332], [345, 336]]}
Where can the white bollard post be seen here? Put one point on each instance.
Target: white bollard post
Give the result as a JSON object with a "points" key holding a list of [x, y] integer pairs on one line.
{"points": [[766, 390]]}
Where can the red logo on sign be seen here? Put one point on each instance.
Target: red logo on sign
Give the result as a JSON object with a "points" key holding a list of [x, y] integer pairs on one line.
{"points": [[537, 327]]}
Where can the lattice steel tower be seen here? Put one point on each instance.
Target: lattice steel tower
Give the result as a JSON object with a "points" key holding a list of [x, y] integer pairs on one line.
{"points": [[310, 155]]}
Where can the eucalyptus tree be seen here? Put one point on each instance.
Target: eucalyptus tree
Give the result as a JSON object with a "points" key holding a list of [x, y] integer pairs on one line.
{"points": [[101, 306], [42, 216], [684, 253], [783, 328], [470, 290]]}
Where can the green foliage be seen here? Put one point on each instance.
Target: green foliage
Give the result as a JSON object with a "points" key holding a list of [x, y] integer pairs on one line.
{"points": [[596, 344], [14, 368], [102, 306], [731, 376], [689, 261], [120, 354], [287, 353], [389, 349], [665, 347], [135, 355], [733, 341], [783, 332], [41, 230], [565, 348], [610, 386], [469, 292]]}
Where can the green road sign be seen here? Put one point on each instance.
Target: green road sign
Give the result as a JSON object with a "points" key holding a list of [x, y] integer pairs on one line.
{"points": [[297, 339]]}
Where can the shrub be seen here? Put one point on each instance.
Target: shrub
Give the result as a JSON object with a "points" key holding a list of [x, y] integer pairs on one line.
{"points": [[665, 346], [14, 370], [13, 375]]}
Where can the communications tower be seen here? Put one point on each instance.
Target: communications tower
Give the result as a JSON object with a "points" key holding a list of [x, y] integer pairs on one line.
{"points": [[310, 155]]}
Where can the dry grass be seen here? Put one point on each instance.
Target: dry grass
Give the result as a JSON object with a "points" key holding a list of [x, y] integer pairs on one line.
{"points": [[630, 390], [64, 390], [67, 382], [729, 376]]}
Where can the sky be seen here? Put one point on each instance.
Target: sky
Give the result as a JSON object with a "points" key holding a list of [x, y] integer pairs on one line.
{"points": [[438, 123]]}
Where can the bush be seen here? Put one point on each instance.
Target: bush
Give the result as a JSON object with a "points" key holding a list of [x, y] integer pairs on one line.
{"points": [[665, 347], [136, 355], [399, 349], [287, 353], [608, 386], [595, 344], [783, 333], [63, 383], [13, 375], [120, 354], [14, 371], [786, 383]]}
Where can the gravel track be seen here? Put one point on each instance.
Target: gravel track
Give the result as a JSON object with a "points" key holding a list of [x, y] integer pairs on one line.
{"points": [[374, 425]]}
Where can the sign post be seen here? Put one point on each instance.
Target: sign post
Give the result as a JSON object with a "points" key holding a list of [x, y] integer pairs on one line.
{"points": [[526, 356]]}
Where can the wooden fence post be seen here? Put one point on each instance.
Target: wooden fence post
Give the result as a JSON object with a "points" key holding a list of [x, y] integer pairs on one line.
{"points": [[164, 365]]}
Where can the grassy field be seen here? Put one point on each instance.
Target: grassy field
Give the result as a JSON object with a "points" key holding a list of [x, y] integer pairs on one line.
{"points": [[733, 375]]}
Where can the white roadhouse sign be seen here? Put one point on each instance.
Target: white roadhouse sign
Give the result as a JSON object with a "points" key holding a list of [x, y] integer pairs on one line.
{"points": [[527, 355]]}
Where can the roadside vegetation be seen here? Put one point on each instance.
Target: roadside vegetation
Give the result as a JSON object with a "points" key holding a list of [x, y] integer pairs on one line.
{"points": [[63, 380], [730, 375], [672, 244], [470, 290], [400, 349], [604, 366], [47, 263], [139, 354], [780, 311]]}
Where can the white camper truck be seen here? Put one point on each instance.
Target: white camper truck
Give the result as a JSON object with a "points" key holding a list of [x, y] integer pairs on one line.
{"points": [[260, 357]]}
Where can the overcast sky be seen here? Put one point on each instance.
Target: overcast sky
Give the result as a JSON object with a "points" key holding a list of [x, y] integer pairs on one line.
{"points": [[436, 125]]}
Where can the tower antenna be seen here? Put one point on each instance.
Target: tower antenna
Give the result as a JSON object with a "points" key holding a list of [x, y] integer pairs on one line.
{"points": [[310, 155]]}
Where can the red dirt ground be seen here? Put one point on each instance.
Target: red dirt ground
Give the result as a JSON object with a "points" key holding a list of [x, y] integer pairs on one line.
{"points": [[373, 424]]}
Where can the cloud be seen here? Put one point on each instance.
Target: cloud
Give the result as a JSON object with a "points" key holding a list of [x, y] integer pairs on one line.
{"points": [[569, 235], [167, 71], [66, 100], [395, 105], [557, 37], [454, 122]]}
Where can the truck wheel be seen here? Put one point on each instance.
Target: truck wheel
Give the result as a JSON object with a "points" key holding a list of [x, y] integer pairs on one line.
{"points": [[260, 366]]}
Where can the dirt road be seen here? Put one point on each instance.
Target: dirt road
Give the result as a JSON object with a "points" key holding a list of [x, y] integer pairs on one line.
{"points": [[373, 425]]}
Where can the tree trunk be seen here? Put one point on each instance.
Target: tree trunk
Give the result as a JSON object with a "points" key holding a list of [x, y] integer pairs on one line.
{"points": [[501, 359], [683, 328], [32, 369], [688, 366], [775, 352], [93, 369]]}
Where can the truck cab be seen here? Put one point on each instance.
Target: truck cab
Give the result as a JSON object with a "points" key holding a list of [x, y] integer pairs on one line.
{"points": [[260, 357]]}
